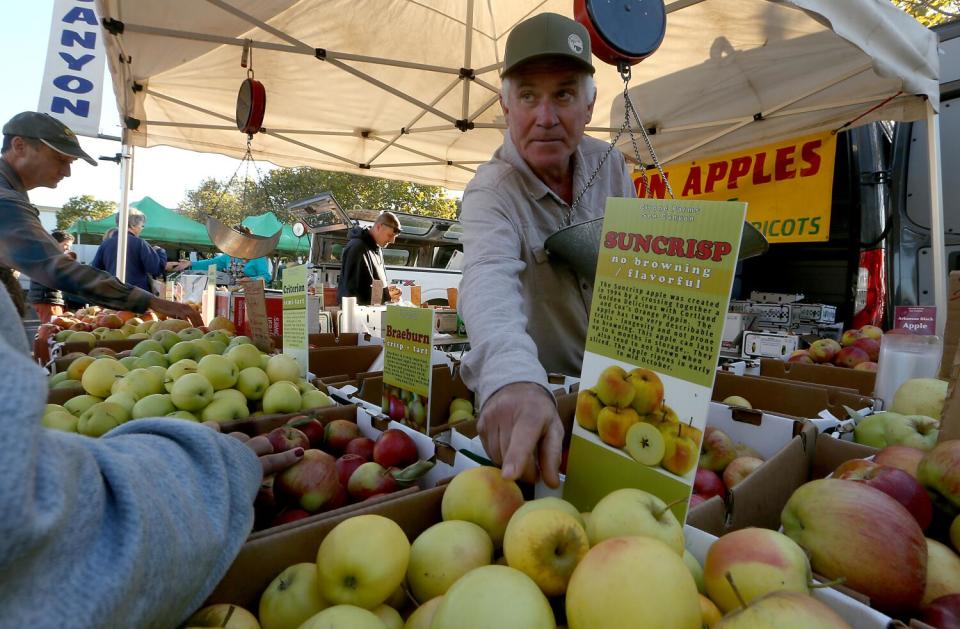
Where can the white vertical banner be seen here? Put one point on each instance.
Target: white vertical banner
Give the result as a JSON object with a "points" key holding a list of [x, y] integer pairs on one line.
{"points": [[72, 87]]}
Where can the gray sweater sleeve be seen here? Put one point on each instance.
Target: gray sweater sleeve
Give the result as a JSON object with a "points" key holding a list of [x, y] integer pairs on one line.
{"points": [[130, 530]]}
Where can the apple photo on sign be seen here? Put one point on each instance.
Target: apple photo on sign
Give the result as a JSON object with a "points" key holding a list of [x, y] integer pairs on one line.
{"points": [[641, 414], [404, 406]]}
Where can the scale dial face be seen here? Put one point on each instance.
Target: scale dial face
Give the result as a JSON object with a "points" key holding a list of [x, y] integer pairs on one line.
{"points": [[628, 30], [251, 105], [299, 229]]}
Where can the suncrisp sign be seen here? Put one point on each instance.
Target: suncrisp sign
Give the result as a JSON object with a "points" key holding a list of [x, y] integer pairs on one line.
{"points": [[787, 186], [73, 77]]}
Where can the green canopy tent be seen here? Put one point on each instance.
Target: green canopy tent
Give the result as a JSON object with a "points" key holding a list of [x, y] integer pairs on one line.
{"points": [[267, 224], [163, 226]]}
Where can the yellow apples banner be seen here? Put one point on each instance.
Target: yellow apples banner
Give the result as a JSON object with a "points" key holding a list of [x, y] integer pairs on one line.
{"points": [[787, 186]]}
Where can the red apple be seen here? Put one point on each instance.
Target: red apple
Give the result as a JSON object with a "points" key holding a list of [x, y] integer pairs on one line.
{"points": [[347, 465], [362, 446], [369, 480], [801, 356], [338, 434], [850, 337], [870, 346], [340, 498], [903, 457], [707, 484], [395, 448], [397, 410], [311, 482], [897, 484], [867, 366], [111, 321], [309, 426], [943, 612], [290, 515], [850, 357], [284, 438], [739, 469], [696, 499]]}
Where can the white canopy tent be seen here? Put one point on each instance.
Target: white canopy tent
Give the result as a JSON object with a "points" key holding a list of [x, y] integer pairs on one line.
{"points": [[407, 89]]}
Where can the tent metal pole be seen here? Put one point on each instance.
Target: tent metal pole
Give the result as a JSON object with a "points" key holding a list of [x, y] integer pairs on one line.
{"points": [[215, 39], [493, 100], [936, 219], [489, 68], [467, 55], [681, 4], [406, 129], [126, 166], [260, 24]]}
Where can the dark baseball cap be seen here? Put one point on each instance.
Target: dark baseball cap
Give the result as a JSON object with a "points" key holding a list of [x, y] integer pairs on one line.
{"points": [[547, 35], [50, 131]]}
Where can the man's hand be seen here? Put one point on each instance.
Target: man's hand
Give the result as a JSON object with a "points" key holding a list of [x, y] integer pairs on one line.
{"points": [[176, 310], [521, 430], [395, 293], [270, 463]]}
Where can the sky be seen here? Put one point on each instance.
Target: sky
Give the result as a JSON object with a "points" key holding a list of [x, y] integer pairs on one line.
{"points": [[163, 173]]}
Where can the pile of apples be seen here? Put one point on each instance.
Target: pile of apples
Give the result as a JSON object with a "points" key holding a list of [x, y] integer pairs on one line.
{"points": [[339, 466], [410, 408], [913, 419], [858, 349], [724, 464], [497, 561], [185, 374], [627, 411], [103, 324], [890, 528]]}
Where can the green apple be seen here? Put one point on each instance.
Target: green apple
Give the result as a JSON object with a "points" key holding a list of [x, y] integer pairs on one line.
{"points": [[101, 418], [183, 350], [422, 617], [178, 369], [130, 362], [291, 598], [695, 569], [205, 347], [244, 355], [99, 377], [66, 384], [264, 361], [219, 370], [149, 345], [58, 377], [191, 392], [158, 371], [305, 385], [77, 405], [459, 416], [184, 415], [443, 553], [315, 398], [113, 335], [153, 359], [223, 615], [224, 410], [634, 512], [139, 383], [50, 408], [216, 346], [281, 397], [282, 367], [460, 404], [60, 420], [189, 334], [253, 382], [84, 337], [343, 616], [126, 399], [136, 336], [495, 596], [919, 396], [886, 429], [166, 338], [154, 405], [230, 394], [389, 616], [241, 340], [362, 561]]}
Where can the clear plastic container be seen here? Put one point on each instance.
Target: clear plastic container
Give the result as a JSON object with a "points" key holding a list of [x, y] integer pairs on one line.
{"points": [[906, 356]]}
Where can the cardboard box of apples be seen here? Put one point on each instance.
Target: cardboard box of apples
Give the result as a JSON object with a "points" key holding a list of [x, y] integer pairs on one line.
{"points": [[857, 349], [473, 554]]}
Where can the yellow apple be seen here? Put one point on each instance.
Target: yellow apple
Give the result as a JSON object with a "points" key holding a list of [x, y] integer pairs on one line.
{"points": [[60, 420], [390, 617], [588, 409], [191, 392], [648, 390], [422, 617], [343, 616], [710, 615], [784, 610], [282, 397], [482, 496], [613, 424], [630, 512], [738, 401], [443, 553], [680, 450], [217, 615], [632, 579], [99, 376], [494, 596], [77, 405], [760, 561], [101, 418], [291, 598], [78, 366], [252, 382], [546, 545], [613, 389], [178, 369], [645, 444], [550, 502], [696, 570], [245, 355], [362, 561], [156, 405], [943, 572], [282, 367], [220, 371]]}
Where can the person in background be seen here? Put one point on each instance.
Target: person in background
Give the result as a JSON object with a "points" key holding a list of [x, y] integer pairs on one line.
{"points": [[49, 302], [527, 313], [144, 260], [38, 150], [253, 269], [362, 260]]}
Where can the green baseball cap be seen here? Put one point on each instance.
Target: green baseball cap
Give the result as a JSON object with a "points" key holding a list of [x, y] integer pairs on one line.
{"points": [[547, 35], [50, 131]]}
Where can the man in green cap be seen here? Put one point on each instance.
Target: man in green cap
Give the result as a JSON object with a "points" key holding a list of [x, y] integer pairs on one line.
{"points": [[37, 151], [527, 314]]}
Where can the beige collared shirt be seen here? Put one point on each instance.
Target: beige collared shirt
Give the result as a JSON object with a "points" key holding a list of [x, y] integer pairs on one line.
{"points": [[526, 315]]}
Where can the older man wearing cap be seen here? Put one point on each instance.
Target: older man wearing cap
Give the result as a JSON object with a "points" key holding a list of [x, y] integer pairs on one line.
{"points": [[527, 314], [38, 151]]}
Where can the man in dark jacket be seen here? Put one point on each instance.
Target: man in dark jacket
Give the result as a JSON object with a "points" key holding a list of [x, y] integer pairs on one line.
{"points": [[362, 261], [143, 260]]}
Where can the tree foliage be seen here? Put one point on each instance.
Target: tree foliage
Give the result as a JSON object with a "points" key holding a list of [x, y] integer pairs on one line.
{"points": [[83, 208], [931, 12], [283, 186]]}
